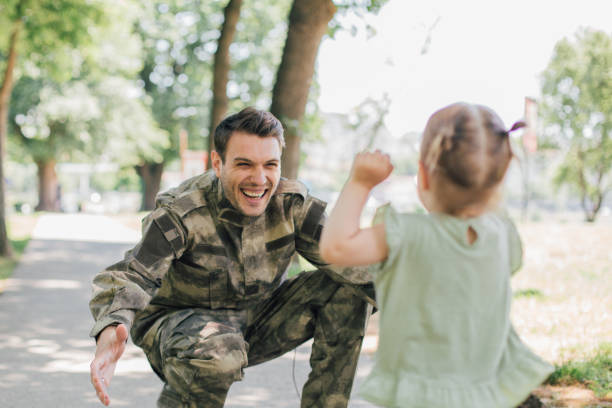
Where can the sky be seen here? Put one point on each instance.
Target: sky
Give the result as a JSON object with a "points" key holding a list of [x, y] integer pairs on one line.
{"points": [[489, 52]]}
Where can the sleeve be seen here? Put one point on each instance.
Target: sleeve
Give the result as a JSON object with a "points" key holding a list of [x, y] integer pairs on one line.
{"points": [[126, 287], [387, 215], [309, 219], [514, 244]]}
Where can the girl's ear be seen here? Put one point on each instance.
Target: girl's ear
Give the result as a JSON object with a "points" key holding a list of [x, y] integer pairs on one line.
{"points": [[423, 177]]}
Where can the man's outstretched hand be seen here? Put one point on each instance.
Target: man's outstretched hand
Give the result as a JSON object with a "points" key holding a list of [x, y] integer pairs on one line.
{"points": [[110, 347]]}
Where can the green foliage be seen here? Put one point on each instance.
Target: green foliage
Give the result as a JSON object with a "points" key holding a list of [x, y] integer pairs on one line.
{"points": [[53, 119], [577, 112], [294, 269], [256, 52], [99, 112], [179, 41], [77, 121], [351, 16], [126, 125], [125, 179], [176, 70], [595, 372], [51, 29]]}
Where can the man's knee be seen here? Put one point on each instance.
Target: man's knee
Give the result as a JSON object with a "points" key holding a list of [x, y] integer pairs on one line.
{"points": [[206, 362], [345, 315]]}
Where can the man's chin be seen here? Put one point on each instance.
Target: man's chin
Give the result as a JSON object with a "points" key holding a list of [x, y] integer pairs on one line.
{"points": [[253, 213], [253, 210]]}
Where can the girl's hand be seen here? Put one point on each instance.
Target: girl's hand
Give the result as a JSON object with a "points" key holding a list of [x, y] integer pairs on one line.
{"points": [[370, 169]]}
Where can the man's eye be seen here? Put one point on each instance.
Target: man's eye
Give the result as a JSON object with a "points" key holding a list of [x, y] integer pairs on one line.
{"points": [[242, 164]]}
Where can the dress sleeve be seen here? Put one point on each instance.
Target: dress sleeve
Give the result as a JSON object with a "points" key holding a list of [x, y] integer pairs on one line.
{"points": [[388, 216], [126, 287], [515, 245]]}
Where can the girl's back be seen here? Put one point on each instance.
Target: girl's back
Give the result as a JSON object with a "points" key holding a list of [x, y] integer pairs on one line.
{"points": [[445, 336]]}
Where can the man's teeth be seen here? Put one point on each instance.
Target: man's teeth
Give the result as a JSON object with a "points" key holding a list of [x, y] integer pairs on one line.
{"points": [[253, 195]]}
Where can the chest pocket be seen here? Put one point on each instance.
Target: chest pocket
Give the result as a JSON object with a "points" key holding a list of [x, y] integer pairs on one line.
{"points": [[201, 277], [281, 248], [280, 252]]}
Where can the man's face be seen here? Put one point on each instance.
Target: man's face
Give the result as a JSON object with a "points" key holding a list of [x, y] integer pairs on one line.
{"points": [[251, 171]]}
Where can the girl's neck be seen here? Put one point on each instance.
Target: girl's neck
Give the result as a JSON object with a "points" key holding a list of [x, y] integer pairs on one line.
{"points": [[472, 211]]}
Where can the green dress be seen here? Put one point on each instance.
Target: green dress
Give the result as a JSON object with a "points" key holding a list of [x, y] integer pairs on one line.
{"points": [[446, 339]]}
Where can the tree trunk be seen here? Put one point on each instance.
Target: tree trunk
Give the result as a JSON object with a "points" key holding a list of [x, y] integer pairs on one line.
{"points": [[150, 176], [591, 205], [48, 197], [5, 97], [308, 21], [221, 68]]}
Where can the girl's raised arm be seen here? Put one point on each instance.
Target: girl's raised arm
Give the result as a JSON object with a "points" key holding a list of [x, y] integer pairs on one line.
{"points": [[343, 242]]}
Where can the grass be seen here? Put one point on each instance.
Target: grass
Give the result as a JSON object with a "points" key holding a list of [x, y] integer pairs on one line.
{"points": [[8, 264], [563, 290], [299, 264], [561, 307], [594, 372], [526, 293], [19, 230]]}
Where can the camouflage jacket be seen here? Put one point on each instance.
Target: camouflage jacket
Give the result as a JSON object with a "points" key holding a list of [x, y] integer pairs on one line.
{"points": [[198, 251]]}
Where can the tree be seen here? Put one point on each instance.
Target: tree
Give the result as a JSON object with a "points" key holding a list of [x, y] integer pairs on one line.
{"points": [[180, 39], [52, 120], [221, 67], [40, 29], [309, 21], [368, 119], [76, 121], [98, 108], [132, 134], [577, 110]]}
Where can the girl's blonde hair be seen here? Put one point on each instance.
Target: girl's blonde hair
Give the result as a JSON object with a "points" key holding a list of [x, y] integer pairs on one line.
{"points": [[466, 152]]}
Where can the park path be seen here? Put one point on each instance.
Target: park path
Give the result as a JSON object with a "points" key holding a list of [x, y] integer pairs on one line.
{"points": [[45, 350]]}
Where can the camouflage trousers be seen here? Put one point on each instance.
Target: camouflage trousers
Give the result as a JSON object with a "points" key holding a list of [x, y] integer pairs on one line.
{"points": [[199, 353]]}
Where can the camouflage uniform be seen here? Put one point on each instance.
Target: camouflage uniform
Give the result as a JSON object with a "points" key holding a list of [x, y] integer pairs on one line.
{"points": [[205, 295]]}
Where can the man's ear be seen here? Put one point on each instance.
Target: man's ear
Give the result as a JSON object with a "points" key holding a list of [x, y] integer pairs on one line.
{"points": [[217, 163], [423, 177]]}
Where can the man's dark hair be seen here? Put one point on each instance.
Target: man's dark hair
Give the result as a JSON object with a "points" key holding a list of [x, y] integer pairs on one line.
{"points": [[249, 120]]}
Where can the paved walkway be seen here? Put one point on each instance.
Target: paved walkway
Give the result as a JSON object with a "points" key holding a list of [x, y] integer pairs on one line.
{"points": [[45, 350]]}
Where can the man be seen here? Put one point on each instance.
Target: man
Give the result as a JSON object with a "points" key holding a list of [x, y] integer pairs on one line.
{"points": [[204, 291]]}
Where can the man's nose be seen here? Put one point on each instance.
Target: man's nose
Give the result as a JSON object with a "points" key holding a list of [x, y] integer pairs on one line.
{"points": [[258, 176]]}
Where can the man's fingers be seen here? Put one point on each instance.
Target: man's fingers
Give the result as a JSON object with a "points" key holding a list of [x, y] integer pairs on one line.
{"points": [[103, 394], [110, 347], [100, 385]]}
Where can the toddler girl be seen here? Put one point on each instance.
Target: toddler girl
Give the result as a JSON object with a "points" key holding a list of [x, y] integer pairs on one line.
{"points": [[442, 278]]}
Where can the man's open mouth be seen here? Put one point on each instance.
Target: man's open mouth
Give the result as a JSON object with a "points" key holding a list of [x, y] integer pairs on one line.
{"points": [[254, 194]]}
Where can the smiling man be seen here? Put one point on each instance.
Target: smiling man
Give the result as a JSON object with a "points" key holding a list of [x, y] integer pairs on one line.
{"points": [[205, 292]]}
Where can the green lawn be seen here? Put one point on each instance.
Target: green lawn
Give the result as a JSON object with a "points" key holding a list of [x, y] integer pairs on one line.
{"points": [[595, 371]]}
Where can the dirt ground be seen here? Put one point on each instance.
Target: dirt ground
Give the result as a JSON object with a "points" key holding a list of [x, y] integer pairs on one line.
{"points": [[568, 268], [566, 309]]}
